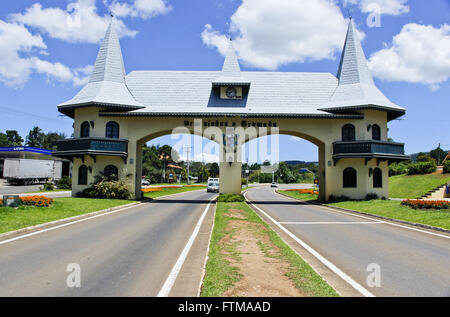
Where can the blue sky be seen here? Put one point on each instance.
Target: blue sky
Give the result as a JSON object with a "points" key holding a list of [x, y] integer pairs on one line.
{"points": [[48, 47]]}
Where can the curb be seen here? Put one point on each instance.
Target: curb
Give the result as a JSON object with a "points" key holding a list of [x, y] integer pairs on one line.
{"points": [[50, 224], [420, 225]]}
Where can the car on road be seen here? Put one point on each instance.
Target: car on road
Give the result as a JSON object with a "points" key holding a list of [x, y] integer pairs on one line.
{"points": [[274, 185], [213, 185], [145, 182]]}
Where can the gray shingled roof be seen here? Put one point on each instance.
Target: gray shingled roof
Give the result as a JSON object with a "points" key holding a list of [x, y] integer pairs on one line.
{"points": [[180, 92], [107, 82], [190, 91], [356, 87]]}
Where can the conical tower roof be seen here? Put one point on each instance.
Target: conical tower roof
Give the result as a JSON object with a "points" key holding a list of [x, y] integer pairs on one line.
{"points": [[356, 88], [231, 72], [106, 86]]}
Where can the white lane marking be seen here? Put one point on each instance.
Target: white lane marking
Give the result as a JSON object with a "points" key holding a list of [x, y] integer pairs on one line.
{"points": [[168, 284], [317, 255], [67, 224], [364, 217], [328, 222]]}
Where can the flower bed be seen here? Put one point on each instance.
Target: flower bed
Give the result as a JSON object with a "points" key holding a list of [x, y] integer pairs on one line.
{"points": [[426, 204], [153, 189], [304, 191], [38, 201]]}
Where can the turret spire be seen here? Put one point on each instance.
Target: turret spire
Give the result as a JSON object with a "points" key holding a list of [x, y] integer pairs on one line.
{"points": [[109, 63]]}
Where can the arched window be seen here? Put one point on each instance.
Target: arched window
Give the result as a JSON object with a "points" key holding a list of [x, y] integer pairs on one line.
{"points": [[377, 178], [349, 177], [112, 130], [348, 132], [111, 172], [376, 132], [82, 175], [84, 130]]}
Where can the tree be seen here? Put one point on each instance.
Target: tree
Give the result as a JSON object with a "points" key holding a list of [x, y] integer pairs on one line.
{"points": [[214, 170], [203, 174], [438, 154], [50, 140], [35, 138], [11, 138], [422, 157]]}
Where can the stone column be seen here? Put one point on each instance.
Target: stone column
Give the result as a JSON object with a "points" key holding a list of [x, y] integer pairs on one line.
{"points": [[230, 177]]}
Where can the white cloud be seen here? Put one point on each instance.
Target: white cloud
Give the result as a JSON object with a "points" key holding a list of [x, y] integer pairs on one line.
{"points": [[19, 51], [418, 54], [388, 7], [140, 8], [78, 23], [268, 34]]}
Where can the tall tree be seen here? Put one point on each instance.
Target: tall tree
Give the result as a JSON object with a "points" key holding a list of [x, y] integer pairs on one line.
{"points": [[35, 138], [214, 170], [11, 138], [438, 154], [50, 140]]}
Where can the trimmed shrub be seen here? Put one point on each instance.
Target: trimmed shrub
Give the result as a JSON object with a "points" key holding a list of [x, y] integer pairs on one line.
{"points": [[230, 198], [336, 199], [447, 167], [422, 168], [64, 183], [398, 169], [371, 196], [108, 189], [49, 186]]}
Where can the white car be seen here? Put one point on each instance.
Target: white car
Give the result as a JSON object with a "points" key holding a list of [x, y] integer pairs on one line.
{"points": [[274, 185], [213, 187], [145, 182]]}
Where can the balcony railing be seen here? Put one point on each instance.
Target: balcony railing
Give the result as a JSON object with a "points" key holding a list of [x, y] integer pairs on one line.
{"points": [[368, 147], [93, 145]]}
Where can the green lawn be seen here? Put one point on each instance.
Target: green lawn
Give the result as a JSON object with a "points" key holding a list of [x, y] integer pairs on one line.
{"points": [[414, 186], [25, 216], [48, 191], [170, 191], [297, 195], [220, 275], [393, 209]]}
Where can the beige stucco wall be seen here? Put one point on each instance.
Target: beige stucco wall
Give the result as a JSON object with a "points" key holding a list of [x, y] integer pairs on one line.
{"points": [[321, 132]]}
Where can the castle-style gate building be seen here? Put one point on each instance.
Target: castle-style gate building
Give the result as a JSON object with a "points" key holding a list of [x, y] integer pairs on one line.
{"points": [[346, 116]]}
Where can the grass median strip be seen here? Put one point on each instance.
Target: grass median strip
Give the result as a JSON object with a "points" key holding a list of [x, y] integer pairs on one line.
{"points": [[394, 209], [26, 216], [163, 191], [247, 258]]}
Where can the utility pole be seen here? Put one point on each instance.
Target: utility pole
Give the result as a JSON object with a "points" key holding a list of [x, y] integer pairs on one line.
{"points": [[439, 154], [188, 148]]}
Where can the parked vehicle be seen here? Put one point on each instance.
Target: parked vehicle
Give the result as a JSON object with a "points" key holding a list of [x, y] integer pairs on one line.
{"points": [[145, 182], [274, 185], [213, 185], [28, 171]]}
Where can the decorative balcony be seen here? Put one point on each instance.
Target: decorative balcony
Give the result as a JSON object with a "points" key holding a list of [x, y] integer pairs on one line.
{"points": [[78, 147], [382, 151]]}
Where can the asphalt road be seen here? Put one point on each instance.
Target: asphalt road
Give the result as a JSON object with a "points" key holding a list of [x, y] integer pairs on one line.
{"points": [[128, 253], [411, 263], [7, 189]]}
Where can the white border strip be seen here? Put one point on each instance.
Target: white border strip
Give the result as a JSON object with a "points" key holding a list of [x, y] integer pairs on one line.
{"points": [[317, 255], [329, 223], [170, 281]]}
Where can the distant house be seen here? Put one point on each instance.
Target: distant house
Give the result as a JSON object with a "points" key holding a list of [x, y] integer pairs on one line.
{"points": [[447, 158]]}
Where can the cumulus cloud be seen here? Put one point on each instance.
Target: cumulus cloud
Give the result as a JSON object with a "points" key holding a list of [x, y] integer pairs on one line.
{"points": [[387, 7], [268, 34], [418, 54], [140, 8], [77, 23], [19, 58]]}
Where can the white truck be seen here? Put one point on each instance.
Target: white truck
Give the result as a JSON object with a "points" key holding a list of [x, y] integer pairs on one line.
{"points": [[27, 171]]}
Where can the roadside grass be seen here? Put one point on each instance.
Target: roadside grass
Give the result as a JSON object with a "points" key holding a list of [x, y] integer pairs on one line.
{"points": [[414, 186], [48, 191], [394, 209], [25, 216], [172, 190], [297, 195], [220, 275]]}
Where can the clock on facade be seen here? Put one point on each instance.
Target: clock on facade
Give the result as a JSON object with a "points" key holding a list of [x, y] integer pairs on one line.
{"points": [[231, 92]]}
